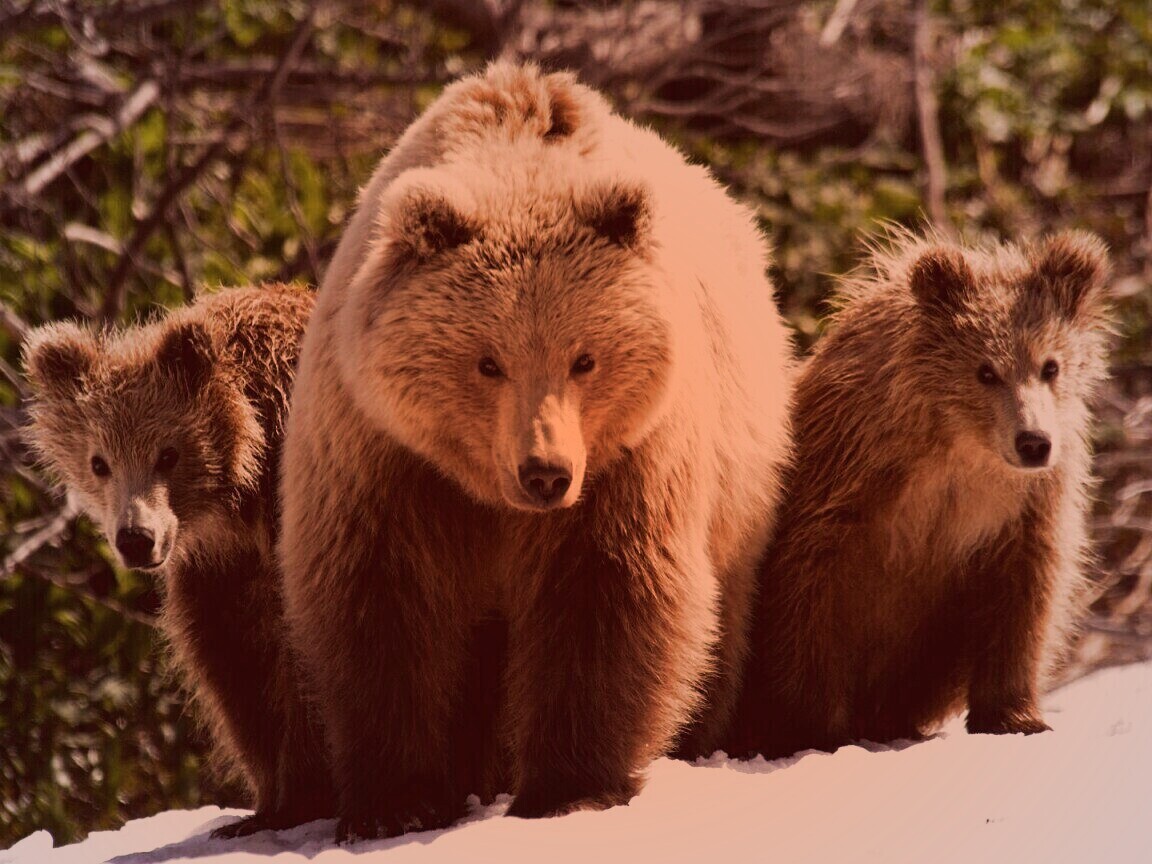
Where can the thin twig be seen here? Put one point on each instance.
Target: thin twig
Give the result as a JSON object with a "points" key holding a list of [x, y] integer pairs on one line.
{"points": [[14, 378], [1148, 236], [80, 586], [13, 323], [927, 112], [307, 239]]}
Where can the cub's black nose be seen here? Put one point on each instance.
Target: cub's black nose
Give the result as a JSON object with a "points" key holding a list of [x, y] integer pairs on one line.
{"points": [[1033, 449], [135, 546], [545, 483]]}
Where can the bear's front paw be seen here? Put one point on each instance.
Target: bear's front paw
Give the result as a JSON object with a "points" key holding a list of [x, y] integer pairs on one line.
{"points": [[269, 820], [544, 801], [399, 818], [239, 828], [1005, 722]]}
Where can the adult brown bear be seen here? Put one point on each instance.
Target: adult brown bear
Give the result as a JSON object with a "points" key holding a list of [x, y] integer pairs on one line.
{"points": [[545, 386]]}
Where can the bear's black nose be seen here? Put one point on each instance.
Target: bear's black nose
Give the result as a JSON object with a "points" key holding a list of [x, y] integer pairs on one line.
{"points": [[135, 546], [1033, 448], [545, 483]]}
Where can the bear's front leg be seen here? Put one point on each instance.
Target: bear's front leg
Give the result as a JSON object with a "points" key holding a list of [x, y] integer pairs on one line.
{"points": [[382, 646], [223, 629], [1013, 606], [606, 660]]}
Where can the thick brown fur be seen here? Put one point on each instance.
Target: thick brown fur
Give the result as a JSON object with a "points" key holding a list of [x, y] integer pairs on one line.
{"points": [[172, 430], [529, 280], [918, 569]]}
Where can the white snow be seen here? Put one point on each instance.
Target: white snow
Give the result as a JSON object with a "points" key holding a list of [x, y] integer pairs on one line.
{"points": [[1081, 793]]}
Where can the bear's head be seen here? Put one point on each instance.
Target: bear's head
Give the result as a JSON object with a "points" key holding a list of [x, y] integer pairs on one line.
{"points": [[519, 337], [1014, 341], [147, 430]]}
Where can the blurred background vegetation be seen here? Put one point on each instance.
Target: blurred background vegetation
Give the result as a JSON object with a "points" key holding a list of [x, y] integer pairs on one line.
{"points": [[148, 147]]}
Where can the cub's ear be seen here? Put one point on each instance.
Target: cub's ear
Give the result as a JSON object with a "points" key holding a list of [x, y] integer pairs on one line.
{"points": [[941, 278], [426, 223], [187, 354], [1074, 266], [618, 212], [58, 356]]}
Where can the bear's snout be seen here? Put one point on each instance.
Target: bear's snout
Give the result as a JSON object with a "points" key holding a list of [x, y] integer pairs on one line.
{"points": [[545, 482], [136, 547], [1033, 448]]}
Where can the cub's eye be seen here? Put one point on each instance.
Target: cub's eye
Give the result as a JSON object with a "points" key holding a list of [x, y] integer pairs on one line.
{"points": [[583, 365], [489, 369], [1049, 371], [987, 375], [100, 467], [167, 459]]}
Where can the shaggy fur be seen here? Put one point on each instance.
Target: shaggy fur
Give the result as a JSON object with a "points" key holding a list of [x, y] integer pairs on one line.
{"points": [[921, 565], [170, 434], [542, 400]]}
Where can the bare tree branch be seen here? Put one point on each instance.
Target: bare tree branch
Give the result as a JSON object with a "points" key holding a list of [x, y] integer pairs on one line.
{"points": [[927, 113], [126, 265], [306, 238], [50, 532], [837, 21], [35, 14], [103, 131]]}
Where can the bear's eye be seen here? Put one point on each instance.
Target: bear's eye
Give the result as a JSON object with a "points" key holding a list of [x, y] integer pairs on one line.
{"points": [[489, 369], [100, 467], [987, 375], [167, 459], [1049, 371], [583, 365]]}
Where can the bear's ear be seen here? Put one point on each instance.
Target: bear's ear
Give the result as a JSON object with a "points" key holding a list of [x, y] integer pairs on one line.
{"points": [[58, 356], [941, 278], [1074, 266], [563, 112], [187, 354], [428, 224], [619, 212]]}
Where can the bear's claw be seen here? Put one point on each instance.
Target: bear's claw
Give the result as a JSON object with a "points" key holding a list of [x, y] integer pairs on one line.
{"points": [[1005, 723], [544, 804], [421, 816]]}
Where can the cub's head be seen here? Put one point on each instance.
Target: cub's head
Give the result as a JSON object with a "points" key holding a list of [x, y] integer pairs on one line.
{"points": [[1015, 341], [145, 429], [519, 337]]}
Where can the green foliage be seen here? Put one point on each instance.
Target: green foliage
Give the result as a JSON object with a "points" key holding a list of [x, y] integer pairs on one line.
{"points": [[815, 208], [91, 728], [1047, 109]]}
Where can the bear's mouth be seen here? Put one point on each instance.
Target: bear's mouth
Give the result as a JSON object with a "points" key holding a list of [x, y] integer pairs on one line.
{"points": [[523, 502]]}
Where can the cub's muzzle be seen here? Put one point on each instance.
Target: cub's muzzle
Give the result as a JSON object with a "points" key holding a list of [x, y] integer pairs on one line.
{"points": [[137, 548], [1033, 448]]}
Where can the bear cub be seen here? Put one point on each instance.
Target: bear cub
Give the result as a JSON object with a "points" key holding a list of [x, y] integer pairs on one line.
{"points": [[170, 435], [930, 549]]}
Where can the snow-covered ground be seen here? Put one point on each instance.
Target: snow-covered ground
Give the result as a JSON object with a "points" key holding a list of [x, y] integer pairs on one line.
{"points": [[1081, 794]]}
